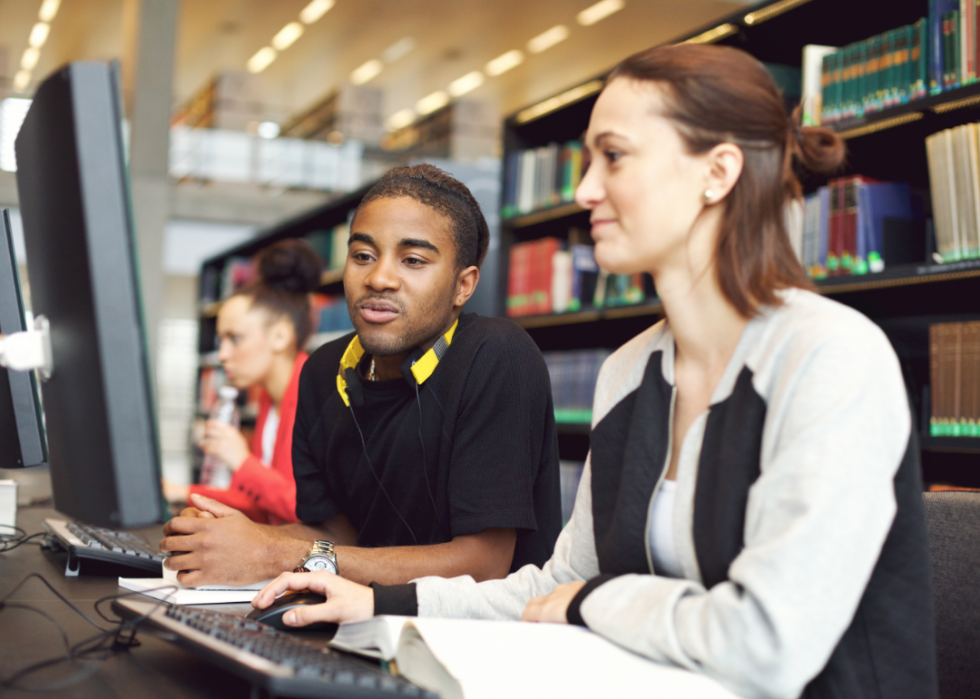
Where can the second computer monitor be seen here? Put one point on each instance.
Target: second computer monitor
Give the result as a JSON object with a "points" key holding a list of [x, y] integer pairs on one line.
{"points": [[74, 196]]}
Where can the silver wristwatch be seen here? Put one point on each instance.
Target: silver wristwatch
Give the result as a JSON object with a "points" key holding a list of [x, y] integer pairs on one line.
{"points": [[320, 557]]}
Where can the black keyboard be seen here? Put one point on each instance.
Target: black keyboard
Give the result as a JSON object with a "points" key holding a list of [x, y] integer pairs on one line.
{"points": [[281, 663], [105, 551]]}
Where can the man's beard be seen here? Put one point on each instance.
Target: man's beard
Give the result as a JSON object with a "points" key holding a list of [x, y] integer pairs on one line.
{"points": [[414, 333]]}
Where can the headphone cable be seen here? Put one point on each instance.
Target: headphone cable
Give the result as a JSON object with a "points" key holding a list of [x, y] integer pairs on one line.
{"points": [[380, 484]]}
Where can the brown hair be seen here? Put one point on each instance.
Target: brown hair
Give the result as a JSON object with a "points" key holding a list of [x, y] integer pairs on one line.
{"points": [[287, 272], [718, 94]]}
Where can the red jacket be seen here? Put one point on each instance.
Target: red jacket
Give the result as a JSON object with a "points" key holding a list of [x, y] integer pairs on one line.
{"points": [[266, 494]]}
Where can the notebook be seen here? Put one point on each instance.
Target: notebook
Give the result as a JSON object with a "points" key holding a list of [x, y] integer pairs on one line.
{"points": [[468, 659]]}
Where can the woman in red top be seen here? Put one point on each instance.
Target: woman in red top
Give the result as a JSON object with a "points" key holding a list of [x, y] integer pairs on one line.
{"points": [[261, 331]]}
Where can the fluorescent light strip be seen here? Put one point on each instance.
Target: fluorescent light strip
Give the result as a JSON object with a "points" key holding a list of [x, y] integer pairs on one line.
{"points": [[261, 60], [287, 35], [712, 35], [398, 49], [400, 120], [315, 10], [22, 80], [501, 64], [553, 103], [430, 103], [599, 11], [367, 72], [544, 41], [49, 8], [467, 83], [39, 34], [880, 125], [774, 10], [30, 58]]}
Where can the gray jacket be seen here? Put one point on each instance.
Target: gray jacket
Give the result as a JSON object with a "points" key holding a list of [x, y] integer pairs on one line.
{"points": [[798, 517]]}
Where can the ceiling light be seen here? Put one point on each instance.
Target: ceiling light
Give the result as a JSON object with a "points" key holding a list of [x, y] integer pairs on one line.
{"points": [[49, 8], [30, 58], [599, 11], [315, 10], [773, 10], [261, 60], [268, 129], [22, 80], [400, 120], [398, 49], [39, 34], [543, 42], [467, 83], [287, 35], [431, 103], [367, 72], [501, 64]]}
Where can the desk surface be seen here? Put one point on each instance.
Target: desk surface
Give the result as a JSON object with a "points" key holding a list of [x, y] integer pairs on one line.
{"points": [[154, 669]]}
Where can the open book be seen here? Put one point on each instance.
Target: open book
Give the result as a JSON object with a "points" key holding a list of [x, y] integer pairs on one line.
{"points": [[466, 659]]}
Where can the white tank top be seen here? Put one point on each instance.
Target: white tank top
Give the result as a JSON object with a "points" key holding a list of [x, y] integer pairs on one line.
{"points": [[269, 435], [663, 550]]}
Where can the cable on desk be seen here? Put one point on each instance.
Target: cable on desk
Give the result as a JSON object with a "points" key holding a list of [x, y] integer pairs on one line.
{"points": [[98, 647], [10, 542]]}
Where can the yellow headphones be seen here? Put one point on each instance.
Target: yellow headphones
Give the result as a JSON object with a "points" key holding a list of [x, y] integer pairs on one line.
{"points": [[421, 368]]}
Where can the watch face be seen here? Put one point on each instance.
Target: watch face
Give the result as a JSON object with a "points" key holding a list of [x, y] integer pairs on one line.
{"points": [[318, 563]]}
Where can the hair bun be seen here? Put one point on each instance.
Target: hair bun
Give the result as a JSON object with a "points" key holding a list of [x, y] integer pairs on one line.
{"points": [[290, 265]]}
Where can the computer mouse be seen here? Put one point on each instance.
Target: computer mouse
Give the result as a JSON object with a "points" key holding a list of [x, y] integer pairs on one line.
{"points": [[272, 615]]}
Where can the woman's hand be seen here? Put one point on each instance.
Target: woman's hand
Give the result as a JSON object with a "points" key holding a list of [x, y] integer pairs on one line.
{"points": [[553, 608], [347, 601], [225, 443], [172, 492]]}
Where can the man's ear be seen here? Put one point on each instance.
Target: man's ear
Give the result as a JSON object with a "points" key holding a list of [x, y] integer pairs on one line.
{"points": [[466, 282]]}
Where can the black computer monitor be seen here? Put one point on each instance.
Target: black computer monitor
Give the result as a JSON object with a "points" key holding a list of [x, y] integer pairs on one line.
{"points": [[22, 440], [73, 186]]}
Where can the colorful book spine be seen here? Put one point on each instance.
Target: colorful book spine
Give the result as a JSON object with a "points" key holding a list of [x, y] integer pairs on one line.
{"points": [[539, 178]]}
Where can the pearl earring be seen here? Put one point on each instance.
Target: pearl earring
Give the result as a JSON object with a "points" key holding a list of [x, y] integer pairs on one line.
{"points": [[708, 196]]}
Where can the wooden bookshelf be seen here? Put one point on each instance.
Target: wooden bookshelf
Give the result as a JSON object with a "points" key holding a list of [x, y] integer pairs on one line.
{"points": [[889, 145]]}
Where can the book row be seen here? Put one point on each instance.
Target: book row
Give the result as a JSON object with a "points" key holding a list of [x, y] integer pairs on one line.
{"points": [[219, 284], [331, 314], [954, 180], [331, 245], [542, 177], [954, 371], [871, 75], [545, 277], [856, 225], [573, 376]]}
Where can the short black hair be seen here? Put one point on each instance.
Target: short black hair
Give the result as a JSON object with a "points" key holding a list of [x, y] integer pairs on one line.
{"points": [[432, 187]]}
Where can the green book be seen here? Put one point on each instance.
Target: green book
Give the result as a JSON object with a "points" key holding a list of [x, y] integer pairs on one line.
{"points": [[874, 88], [920, 59]]}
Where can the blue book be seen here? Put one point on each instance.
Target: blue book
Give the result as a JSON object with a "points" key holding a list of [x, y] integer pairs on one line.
{"points": [[937, 8], [823, 231], [876, 202]]}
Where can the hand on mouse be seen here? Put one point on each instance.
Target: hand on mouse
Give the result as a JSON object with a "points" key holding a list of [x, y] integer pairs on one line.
{"points": [[346, 601]]}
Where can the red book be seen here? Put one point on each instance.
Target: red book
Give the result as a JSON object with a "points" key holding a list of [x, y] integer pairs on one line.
{"points": [[547, 247]]}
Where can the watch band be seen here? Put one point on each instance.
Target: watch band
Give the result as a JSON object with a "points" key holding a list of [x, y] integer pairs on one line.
{"points": [[320, 557]]}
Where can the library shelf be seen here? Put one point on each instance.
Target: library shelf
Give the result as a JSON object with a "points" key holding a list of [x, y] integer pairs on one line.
{"points": [[967, 96], [590, 315], [573, 427], [331, 277], [960, 445], [900, 275], [552, 213]]}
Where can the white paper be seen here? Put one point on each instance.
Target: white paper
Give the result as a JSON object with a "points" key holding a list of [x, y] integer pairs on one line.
{"points": [[173, 592]]}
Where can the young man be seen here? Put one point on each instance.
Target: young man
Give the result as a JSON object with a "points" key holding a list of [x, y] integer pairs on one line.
{"points": [[425, 444]]}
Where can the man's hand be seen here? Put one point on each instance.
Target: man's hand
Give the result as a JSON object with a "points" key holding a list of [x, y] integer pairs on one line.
{"points": [[553, 608], [216, 544], [347, 601], [225, 443]]}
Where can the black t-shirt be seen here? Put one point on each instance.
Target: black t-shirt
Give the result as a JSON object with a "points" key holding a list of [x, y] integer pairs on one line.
{"points": [[486, 444]]}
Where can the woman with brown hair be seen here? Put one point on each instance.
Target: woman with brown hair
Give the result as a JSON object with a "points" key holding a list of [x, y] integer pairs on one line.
{"points": [[751, 507], [262, 330]]}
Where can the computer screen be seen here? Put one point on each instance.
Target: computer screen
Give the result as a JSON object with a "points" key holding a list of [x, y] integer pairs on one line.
{"points": [[22, 440], [73, 186]]}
